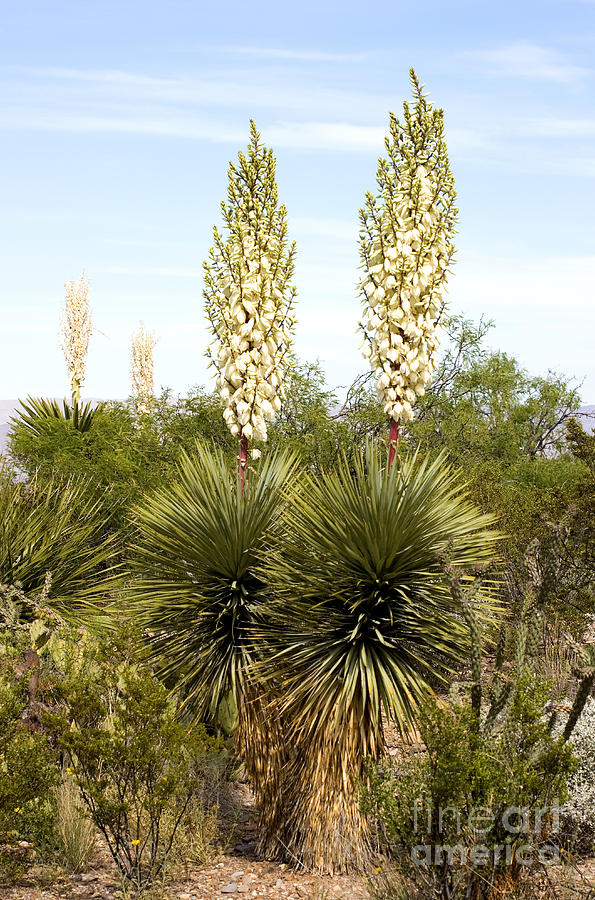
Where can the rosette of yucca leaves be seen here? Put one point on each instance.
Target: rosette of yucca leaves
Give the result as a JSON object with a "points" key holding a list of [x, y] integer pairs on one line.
{"points": [[199, 596], [361, 621], [57, 527], [38, 414]]}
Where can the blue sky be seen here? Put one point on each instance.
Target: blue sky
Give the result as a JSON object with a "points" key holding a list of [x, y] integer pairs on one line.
{"points": [[117, 122]]}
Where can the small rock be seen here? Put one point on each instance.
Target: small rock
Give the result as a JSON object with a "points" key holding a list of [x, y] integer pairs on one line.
{"points": [[245, 847], [88, 876], [279, 884], [243, 889], [236, 875], [230, 888]]}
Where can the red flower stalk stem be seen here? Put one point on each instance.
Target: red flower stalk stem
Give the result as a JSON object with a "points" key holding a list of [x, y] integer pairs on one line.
{"points": [[393, 440], [243, 458]]}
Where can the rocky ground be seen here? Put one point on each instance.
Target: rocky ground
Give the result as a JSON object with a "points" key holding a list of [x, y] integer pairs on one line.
{"points": [[236, 871], [233, 871], [229, 876]]}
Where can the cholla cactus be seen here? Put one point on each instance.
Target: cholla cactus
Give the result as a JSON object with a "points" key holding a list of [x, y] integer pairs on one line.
{"points": [[249, 296], [141, 368], [579, 810], [406, 249], [76, 328]]}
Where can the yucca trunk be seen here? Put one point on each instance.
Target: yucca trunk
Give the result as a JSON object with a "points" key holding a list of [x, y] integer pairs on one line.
{"points": [[324, 830], [262, 744]]}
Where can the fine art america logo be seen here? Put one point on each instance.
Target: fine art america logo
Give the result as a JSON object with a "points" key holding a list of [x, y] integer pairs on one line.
{"points": [[489, 839]]}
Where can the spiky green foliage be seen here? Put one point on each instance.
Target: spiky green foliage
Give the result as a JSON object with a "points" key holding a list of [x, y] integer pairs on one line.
{"points": [[199, 596], [362, 617], [197, 591], [360, 583], [38, 413], [55, 527]]}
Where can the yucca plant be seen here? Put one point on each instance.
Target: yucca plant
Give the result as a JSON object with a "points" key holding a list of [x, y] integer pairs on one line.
{"points": [[406, 249], [76, 328], [55, 527], [249, 297], [199, 597], [361, 620], [141, 368], [38, 413]]}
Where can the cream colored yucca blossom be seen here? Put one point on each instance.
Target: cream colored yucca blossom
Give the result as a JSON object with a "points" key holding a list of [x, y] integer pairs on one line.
{"points": [[249, 295], [406, 247], [75, 329], [141, 367]]}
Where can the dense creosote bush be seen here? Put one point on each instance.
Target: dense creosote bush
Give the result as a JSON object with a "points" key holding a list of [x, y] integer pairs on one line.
{"points": [[462, 818], [140, 771]]}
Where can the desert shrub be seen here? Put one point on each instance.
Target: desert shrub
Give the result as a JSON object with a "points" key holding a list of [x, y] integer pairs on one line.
{"points": [[461, 813], [479, 808], [138, 768], [579, 810], [28, 772], [121, 454], [37, 652]]}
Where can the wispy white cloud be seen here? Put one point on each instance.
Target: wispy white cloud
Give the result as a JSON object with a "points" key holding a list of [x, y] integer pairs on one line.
{"points": [[555, 127], [302, 55], [524, 59], [250, 90], [304, 135]]}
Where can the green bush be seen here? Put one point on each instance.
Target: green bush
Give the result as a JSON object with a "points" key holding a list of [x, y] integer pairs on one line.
{"points": [[138, 768], [28, 772], [28, 763], [463, 793]]}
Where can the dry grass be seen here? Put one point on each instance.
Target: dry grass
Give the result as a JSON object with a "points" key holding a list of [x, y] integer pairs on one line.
{"points": [[75, 829]]}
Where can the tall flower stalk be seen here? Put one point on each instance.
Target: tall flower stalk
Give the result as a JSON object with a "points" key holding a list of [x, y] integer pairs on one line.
{"points": [[141, 368], [406, 248], [75, 331], [249, 297]]}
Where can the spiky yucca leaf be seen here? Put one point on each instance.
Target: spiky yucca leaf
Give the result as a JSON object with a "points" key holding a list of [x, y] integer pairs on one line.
{"points": [[38, 413], [363, 605], [362, 616], [199, 597], [55, 527], [196, 591]]}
